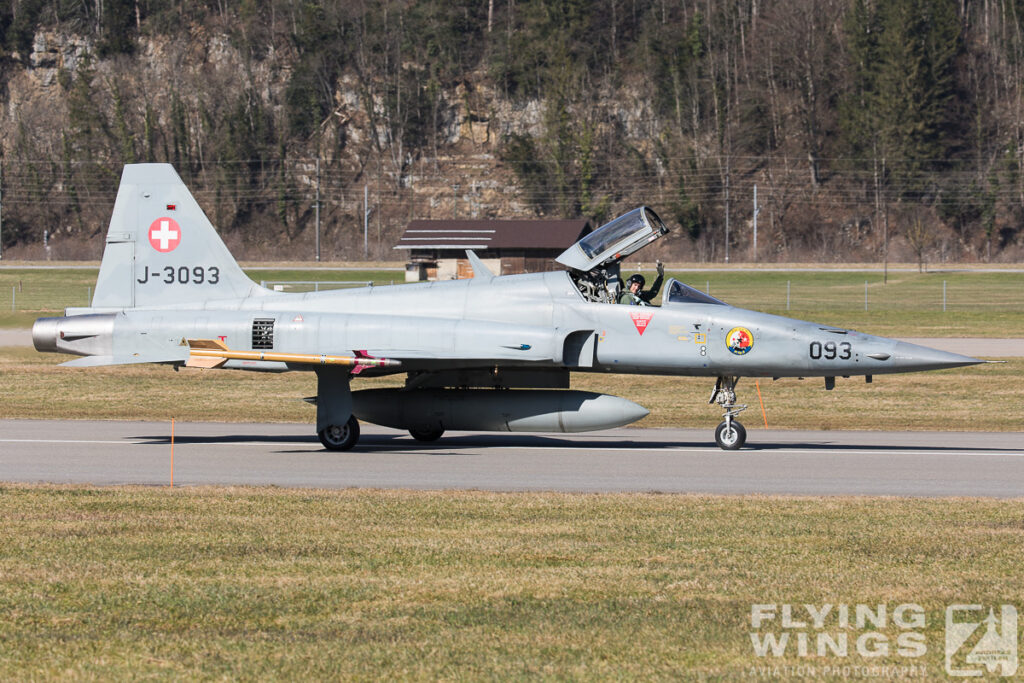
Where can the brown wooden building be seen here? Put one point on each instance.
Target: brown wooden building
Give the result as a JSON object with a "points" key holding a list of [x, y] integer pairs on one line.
{"points": [[437, 249]]}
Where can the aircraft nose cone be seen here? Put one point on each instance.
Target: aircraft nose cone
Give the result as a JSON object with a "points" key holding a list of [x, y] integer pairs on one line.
{"points": [[908, 356]]}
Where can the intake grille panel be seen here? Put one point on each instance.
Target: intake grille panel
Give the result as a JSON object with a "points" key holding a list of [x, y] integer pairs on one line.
{"points": [[263, 333]]}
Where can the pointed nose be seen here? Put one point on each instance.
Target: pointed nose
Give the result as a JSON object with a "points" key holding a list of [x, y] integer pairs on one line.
{"points": [[907, 356]]}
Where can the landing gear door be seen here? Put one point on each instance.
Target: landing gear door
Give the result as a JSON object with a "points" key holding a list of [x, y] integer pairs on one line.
{"points": [[614, 241]]}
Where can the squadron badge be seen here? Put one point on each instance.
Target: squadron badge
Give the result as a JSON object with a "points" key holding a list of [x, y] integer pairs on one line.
{"points": [[739, 340]]}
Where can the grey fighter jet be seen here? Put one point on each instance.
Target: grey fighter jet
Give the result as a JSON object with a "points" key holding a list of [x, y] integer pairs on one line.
{"points": [[488, 353]]}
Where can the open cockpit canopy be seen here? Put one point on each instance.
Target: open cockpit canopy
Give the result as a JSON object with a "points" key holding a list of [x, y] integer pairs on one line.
{"points": [[614, 240], [593, 262]]}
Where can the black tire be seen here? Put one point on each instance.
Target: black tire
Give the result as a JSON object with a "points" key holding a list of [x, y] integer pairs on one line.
{"points": [[730, 440], [340, 437], [426, 435]]}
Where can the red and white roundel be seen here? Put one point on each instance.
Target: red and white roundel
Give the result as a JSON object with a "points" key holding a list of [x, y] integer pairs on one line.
{"points": [[164, 234]]}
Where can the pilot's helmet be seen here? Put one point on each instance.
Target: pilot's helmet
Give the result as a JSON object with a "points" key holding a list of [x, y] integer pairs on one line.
{"points": [[637, 278]]}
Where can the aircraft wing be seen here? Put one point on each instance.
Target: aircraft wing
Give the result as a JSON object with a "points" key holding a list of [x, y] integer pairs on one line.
{"points": [[410, 339]]}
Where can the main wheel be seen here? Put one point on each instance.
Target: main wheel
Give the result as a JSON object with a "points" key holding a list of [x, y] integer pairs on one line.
{"points": [[426, 434], [730, 439], [340, 437]]}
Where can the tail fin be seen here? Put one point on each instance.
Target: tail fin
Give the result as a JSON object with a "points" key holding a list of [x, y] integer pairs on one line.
{"points": [[162, 249]]}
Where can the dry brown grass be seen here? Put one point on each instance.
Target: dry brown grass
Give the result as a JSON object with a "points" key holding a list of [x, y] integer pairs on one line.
{"points": [[242, 583]]}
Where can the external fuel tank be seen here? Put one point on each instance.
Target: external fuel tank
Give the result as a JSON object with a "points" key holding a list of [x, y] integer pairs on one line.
{"points": [[494, 410]]}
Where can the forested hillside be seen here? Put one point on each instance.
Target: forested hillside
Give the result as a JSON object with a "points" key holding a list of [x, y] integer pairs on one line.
{"points": [[870, 129]]}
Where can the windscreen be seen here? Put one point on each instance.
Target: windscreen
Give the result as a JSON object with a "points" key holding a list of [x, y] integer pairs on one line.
{"points": [[678, 293]]}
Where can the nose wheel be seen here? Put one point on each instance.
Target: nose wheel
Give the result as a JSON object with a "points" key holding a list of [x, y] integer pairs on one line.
{"points": [[730, 434]]}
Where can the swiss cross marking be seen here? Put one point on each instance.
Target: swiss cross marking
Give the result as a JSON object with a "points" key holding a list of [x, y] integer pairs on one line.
{"points": [[164, 234]]}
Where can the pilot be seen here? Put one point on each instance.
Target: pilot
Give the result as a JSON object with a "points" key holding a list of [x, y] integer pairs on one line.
{"points": [[635, 294]]}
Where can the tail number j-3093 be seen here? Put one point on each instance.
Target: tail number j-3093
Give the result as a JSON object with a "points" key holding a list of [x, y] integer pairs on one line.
{"points": [[831, 350], [181, 275]]}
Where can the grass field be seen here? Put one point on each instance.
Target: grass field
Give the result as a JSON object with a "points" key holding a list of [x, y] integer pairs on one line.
{"points": [[984, 397], [257, 584], [978, 303]]}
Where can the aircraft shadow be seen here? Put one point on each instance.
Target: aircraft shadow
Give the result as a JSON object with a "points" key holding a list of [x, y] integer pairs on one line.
{"points": [[383, 443]]}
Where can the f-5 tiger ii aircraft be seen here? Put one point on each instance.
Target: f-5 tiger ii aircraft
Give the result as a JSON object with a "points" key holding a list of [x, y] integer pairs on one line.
{"points": [[485, 354]]}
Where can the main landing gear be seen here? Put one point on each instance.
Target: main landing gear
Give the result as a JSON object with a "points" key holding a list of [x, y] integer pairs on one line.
{"points": [[336, 426], [426, 435], [341, 437], [730, 435]]}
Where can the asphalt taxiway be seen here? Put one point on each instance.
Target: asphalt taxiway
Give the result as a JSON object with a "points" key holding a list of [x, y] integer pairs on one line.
{"points": [[655, 460]]}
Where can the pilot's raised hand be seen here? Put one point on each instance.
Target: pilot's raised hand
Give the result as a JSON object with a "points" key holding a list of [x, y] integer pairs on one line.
{"points": [[661, 268]]}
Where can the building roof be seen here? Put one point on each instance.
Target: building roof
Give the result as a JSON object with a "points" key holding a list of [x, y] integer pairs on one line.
{"points": [[491, 234]]}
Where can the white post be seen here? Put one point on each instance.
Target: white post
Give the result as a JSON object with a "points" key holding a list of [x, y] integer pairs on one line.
{"points": [[318, 209], [865, 295], [726, 214], [756, 211], [943, 296]]}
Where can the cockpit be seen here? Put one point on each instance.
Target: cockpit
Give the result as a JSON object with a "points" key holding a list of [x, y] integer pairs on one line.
{"points": [[594, 261]]}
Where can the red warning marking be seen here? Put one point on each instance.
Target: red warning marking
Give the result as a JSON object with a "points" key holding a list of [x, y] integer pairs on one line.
{"points": [[640, 320], [164, 234]]}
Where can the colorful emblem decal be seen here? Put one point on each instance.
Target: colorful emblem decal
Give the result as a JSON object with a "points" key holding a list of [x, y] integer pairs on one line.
{"points": [[640, 320], [739, 340], [164, 234]]}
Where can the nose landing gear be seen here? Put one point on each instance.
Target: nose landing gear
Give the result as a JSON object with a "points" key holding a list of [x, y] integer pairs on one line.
{"points": [[730, 434]]}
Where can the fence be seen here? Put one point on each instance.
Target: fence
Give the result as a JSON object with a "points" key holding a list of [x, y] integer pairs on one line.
{"points": [[844, 292]]}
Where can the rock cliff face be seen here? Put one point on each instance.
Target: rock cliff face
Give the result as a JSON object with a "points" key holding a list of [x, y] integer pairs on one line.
{"points": [[179, 101], [260, 126]]}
